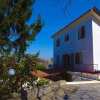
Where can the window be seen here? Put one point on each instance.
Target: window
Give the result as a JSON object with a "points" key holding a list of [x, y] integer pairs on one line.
{"points": [[58, 57], [66, 38], [72, 58], [81, 33], [58, 42], [78, 58], [66, 60], [57, 60]]}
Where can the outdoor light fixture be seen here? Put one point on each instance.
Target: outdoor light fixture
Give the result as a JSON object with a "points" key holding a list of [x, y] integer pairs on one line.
{"points": [[11, 71]]}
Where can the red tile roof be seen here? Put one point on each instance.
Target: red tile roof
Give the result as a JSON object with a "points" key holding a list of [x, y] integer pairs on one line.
{"points": [[50, 73]]}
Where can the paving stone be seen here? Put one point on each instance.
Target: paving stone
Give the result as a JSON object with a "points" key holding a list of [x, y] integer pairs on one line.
{"points": [[86, 92]]}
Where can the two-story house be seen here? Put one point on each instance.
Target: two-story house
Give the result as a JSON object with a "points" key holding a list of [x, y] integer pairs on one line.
{"points": [[76, 46]]}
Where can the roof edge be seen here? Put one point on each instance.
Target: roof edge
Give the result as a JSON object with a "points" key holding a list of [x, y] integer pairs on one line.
{"points": [[93, 9]]}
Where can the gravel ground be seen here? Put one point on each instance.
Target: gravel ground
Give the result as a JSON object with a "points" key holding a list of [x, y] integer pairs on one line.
{"points": [[66, 92], [70, 92], [56, 91]]}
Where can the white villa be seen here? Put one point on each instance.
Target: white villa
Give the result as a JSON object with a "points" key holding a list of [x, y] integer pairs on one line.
{"points": [[76, 46]]}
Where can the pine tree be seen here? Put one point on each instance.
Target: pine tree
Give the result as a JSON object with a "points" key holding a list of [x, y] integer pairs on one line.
{"points": [[15, 36], [15, 32]]}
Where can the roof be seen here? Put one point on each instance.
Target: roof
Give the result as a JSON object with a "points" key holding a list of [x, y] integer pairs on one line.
{"points": [[57, 73], [91, 11], [49, 73]]}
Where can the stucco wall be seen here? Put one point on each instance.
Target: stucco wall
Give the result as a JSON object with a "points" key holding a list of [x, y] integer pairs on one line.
{"points": [[74, 45], [96, 44]]}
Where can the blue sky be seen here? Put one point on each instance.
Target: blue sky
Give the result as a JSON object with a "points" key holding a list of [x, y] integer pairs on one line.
{"points": [[54, 18]]}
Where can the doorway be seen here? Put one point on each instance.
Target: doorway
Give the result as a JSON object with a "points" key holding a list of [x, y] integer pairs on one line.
{"points": [[66, 61]]}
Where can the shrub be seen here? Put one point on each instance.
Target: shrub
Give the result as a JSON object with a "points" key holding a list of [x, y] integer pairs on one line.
{"points": [[42, 82], [40, 67], [4, 92]]}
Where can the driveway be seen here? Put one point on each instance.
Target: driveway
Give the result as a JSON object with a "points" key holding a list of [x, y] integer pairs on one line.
{"points": [[88, 91]]}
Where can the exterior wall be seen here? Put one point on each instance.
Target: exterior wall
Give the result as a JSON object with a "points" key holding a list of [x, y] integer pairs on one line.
{"points": [[74, 45], [96, 47]]}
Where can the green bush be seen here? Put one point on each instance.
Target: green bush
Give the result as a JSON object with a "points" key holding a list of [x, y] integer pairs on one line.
{"points": [[40, 67], [4, 92], [42, 82]]}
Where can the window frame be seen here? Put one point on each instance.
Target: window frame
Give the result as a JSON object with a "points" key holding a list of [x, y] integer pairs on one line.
{"points": [[82, 33], [66, 37], [78, 58], [58, 42]]}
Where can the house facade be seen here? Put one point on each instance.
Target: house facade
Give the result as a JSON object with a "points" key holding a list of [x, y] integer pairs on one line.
{"points": [[76, 46]]}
